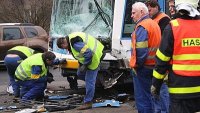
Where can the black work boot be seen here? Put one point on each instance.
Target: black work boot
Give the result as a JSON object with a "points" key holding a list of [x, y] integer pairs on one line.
{"points": [[87, 105], [73, 87], [73, 84]]}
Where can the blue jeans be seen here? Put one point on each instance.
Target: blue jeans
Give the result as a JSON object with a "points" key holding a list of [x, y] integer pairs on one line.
{"points": [[142, 94], [161, 105], [11, 65], [90, 79], [32, 89]]}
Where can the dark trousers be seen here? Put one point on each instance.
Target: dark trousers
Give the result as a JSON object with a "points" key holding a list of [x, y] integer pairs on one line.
{"points": [[184, 105], [161, 105], [73, 82], [32, 89]]}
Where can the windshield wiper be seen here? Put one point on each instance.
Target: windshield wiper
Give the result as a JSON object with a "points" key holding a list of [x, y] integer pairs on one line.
{"points": [[102, 14]]}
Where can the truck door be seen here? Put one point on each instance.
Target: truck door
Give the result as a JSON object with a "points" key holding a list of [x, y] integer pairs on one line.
{"points": [[123, 27]]}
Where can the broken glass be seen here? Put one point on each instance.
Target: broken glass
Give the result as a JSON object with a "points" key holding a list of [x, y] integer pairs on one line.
{"points": [[90, 16]]}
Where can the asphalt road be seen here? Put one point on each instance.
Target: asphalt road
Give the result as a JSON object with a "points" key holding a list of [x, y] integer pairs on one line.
{"points": [[61, 83]]}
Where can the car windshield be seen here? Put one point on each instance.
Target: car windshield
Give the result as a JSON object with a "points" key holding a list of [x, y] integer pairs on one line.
{"points": [[90, 16]]}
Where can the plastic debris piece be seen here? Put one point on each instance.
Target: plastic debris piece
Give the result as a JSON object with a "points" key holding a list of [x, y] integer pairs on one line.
{"points": [[106, 103], [12, 107], [27, 111], [123, 97], [58, 97], [2, 107]]}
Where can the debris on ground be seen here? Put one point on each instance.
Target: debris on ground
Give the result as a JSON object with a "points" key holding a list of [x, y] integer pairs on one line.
{"points": [[62, 100], [106, 103], [27, 111]]}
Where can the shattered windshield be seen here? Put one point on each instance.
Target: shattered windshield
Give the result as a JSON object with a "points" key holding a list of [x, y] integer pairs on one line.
{"points": [[90, 16]]}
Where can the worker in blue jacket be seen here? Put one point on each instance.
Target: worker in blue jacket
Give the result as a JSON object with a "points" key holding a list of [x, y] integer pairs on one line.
{"points": [[89, 52], [32, 77], [145, 41]]}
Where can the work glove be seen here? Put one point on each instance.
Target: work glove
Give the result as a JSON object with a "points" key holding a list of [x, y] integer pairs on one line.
{"points": [[155, 87], [63, 61], [82, 68], [50, 78]]}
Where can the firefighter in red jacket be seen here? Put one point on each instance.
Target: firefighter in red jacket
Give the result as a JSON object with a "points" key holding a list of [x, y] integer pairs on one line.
{"points": [[179, 53]]}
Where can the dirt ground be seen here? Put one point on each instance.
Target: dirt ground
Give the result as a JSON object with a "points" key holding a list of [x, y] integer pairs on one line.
{"points": [[60, 87]]}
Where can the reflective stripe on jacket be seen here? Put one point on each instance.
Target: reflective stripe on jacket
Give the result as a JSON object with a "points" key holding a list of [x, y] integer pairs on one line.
{"points": [[186, 55], [154, 37], [91, 43], [26, 50], [23, 71]]}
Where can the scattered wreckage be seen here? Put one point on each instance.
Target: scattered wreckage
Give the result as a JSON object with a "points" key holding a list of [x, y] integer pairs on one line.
{"points": [[61, 100]]}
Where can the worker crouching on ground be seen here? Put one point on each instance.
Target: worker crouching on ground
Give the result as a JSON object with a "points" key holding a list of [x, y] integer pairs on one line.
{"points": [[89, 52], [179, 53], [31, 75], [13, 58]]}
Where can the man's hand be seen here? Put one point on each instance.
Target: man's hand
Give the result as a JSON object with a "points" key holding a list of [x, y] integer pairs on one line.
{"points": [[83, 68], [155, 92], [156, 86]]}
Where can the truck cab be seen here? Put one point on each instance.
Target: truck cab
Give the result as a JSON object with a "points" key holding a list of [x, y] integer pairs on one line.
{"points": [[109, 21]]}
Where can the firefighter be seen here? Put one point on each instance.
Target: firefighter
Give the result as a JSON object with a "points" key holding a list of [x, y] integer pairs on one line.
{"points": [[179, 54], [145, 41], [89, 52], [161, 104], [13, 58], [31, 75]]}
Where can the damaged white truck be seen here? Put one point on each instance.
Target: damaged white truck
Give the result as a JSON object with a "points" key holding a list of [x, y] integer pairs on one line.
{"points": [[109, 21]]}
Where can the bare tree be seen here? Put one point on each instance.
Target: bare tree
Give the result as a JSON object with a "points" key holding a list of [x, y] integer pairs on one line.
{"points": [[37, 12]]}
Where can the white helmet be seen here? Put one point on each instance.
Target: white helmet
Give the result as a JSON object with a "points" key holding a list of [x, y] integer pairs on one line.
{"points": [[194, 3], [188, 5]]}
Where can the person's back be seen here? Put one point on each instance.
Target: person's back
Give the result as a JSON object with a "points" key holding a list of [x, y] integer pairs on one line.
{"points": [[185, 58], [179, 54], [92, 43], [23, 71], [22, 51]]}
